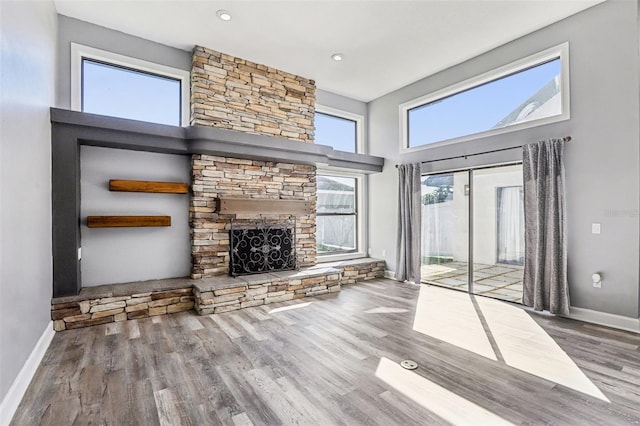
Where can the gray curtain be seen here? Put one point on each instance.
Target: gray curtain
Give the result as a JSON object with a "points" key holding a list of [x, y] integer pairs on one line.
{"points": [[409, 216], [545, 271]]}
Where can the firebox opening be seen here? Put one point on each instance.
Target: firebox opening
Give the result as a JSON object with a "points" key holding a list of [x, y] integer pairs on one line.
{"points": [[260, 247]]}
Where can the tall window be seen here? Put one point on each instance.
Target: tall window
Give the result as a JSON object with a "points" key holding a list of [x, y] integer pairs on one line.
{"points": [[109, 84], [336, 215], [338, 129], [527, 93]]}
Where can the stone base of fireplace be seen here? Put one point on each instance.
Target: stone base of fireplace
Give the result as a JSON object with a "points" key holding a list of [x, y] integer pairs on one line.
{"points": [[121, 302], [223, 294]]}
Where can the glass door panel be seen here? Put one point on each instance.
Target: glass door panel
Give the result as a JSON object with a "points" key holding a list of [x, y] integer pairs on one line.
{"points": [[445, 230], [498, 232]]}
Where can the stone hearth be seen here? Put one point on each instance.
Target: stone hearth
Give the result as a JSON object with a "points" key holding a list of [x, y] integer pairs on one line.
{"points": [[121, 302], [223, 294]]}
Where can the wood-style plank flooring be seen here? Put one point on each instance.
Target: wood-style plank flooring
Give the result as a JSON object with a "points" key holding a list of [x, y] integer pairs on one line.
{"points": [[334, 359]]}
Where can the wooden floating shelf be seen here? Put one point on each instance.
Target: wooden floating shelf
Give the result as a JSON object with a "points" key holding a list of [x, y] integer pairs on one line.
{"points": [[262, 206], [119, 185], [127, 221]]}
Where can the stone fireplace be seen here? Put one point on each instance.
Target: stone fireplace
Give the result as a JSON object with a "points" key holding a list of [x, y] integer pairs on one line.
{"points": [[250, 147], [217, 177], [235, 94]]}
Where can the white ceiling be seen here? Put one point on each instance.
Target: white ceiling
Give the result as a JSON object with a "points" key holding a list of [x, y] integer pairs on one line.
{"points": [[386, 44]]}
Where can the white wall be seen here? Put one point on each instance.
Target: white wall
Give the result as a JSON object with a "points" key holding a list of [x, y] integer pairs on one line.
{"points": [[602, 161], [28, 68], [332, 100], [118, 255]]}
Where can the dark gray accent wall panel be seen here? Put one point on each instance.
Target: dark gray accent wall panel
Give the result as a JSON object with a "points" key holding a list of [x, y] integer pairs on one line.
{"points": [[65, 193]]}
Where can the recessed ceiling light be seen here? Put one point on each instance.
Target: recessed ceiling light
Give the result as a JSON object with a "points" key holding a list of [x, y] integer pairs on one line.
{"points": [[337, 57], [224, 15]]}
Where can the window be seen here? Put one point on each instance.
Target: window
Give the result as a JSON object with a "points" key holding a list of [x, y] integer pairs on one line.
{"points": [[338, 228], [340, 130], [109, 84], [530, 92]]}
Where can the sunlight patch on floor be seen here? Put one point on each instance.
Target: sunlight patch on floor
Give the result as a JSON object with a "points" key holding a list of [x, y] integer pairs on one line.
{"points": [[435, 398], [290, 307], [526, 346], [451, 317]]}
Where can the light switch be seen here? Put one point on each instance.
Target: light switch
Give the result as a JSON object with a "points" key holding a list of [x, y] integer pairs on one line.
{"points": [[595, 228]]}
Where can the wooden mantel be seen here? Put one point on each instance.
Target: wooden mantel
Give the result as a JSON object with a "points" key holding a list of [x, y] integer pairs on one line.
{"points": [[229, 205]]}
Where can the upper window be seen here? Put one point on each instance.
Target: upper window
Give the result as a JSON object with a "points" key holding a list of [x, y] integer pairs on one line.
{"points": [[338, 129], [530, 92], [109, 84]]}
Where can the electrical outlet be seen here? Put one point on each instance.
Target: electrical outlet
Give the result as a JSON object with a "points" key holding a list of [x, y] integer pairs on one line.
{"points": [[384, 252], [595, 228]]}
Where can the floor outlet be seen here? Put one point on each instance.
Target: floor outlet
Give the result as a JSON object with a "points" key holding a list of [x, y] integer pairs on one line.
{"points": [[409, 364]]}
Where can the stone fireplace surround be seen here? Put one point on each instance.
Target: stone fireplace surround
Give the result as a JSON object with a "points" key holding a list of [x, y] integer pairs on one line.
{"points": [[232, 93], [237, 110], [214, 177], [75, 307]]}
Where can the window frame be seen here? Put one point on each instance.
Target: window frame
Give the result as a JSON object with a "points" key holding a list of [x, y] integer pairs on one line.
{"points": [[346, 115], [80, 52], [360, 215], [560, 51]]}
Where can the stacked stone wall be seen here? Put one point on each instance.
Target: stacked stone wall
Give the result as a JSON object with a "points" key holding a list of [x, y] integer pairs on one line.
{"points": [[235, 94], [215, 177], [357, 270], [215, 296], [79, 313], [211, 295]]}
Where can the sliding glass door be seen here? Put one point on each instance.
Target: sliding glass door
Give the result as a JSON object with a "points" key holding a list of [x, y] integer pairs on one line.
{"points": [[445, 230], [498, 232], [473, 231]]}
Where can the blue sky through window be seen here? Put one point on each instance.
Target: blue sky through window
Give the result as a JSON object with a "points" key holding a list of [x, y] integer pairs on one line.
{"points": [[120, 92], [480, 108], [337, 132]]}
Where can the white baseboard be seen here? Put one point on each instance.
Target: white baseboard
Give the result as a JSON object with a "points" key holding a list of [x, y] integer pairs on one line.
{"points": [[389, 274], [604, 318], [16, 392]]}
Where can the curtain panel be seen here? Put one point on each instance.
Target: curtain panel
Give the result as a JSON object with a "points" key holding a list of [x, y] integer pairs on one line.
{"points": [[545, 273], [409, 218]]}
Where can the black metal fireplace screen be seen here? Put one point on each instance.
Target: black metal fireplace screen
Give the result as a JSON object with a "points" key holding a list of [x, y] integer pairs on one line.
{"points": [[262, 247]]}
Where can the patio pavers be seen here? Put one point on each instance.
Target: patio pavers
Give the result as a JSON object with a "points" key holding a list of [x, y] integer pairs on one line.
{"points": [[499, 281]]}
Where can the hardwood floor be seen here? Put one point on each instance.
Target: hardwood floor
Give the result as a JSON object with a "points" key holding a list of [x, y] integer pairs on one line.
{"points": [[334, 359]]}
